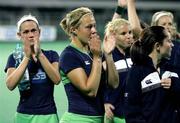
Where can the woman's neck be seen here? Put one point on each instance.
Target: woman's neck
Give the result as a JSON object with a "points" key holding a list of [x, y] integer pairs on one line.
{"points": [[155, 58], [79, 45], [121, 50]]}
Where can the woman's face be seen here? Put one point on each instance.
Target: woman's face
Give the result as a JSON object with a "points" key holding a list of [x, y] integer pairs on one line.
{"points": [[86, 29], [167, 23], [124, 36], [29, 32], [166, 47]]}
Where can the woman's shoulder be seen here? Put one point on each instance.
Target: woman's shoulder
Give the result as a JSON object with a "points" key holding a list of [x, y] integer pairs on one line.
{"points": [[49, 51], [140, 70]]}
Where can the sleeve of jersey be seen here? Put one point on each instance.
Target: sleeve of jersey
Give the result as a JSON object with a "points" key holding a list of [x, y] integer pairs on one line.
{"points": [[133, 110], [69, 61], [175, 87], [55, 56], [10, 63], [108, 97], [175, 90]]}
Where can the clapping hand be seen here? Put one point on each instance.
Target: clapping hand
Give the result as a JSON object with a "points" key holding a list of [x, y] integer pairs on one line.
{"points": [[109, 43], [95, 44]]}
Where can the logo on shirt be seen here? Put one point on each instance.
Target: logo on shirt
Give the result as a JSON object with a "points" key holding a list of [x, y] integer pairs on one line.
{"points": [[87, 63], [148, 81], [39, 77], [151, 82]]}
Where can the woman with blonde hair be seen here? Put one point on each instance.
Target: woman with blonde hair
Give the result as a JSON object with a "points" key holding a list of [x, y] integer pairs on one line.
{"points": [[81, 68], [114, 98], [165, 19]]}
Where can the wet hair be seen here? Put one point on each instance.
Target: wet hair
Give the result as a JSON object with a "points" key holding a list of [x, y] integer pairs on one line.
{"points": [[113, 26], [158, 15], [72, 19], [144, 46]]}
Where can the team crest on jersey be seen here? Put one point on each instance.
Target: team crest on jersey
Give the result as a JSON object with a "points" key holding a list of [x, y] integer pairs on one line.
{"points": [[39, 77]]}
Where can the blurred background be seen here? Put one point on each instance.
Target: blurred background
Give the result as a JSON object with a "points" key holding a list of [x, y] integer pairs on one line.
{"points": [[49, 13]]}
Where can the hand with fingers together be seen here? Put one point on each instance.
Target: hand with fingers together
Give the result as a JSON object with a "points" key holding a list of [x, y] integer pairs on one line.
{"points": [[95, 45], [109, 43], [27, 49], [37, 48]]}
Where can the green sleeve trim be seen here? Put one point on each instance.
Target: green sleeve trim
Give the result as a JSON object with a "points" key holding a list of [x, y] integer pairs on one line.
{"points": [[65, 80]]}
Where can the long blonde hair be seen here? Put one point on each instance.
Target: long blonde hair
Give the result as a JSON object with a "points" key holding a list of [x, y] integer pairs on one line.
{"points": [[72, 19]]}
